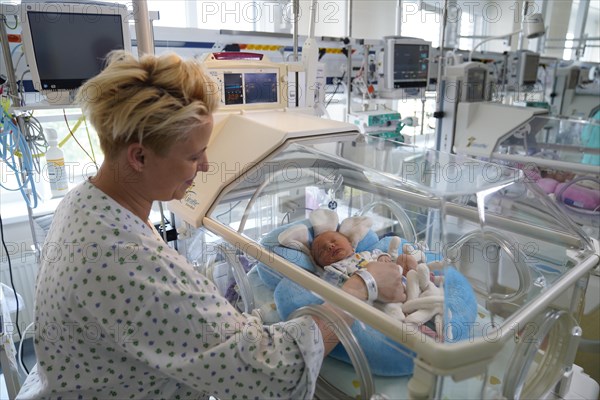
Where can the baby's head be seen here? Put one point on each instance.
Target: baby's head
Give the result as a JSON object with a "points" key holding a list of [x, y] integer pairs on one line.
{"points": [[330, 247]]}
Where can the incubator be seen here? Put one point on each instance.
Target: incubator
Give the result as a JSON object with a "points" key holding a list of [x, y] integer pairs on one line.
{"points": [[570, 145], [515, 267], [561, 155]]}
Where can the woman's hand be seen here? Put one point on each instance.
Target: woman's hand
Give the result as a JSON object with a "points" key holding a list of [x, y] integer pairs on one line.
{"points": [[389, 281], [390, 288]]}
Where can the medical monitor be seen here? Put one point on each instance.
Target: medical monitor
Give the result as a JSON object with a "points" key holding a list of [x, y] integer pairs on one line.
{"points": [[528, 68], [66, 43], [247, 81], [406, 63]]}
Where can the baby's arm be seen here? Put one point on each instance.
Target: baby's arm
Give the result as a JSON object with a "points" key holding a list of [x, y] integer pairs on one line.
{"points": [[384, 258], [380, 256], [334, 276]]}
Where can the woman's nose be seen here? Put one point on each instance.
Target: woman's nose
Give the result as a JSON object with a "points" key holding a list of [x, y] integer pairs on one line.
{"points": [[203, 164]]}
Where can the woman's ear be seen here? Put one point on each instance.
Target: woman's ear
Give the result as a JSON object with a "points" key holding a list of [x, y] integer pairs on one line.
{"points": [[135, 156]]}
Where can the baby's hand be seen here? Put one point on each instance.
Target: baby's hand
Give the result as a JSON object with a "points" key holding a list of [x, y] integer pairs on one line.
{"points": [[407, 262], [384, 258]]}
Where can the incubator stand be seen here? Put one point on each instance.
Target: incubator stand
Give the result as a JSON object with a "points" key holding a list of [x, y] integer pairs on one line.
{"points": [[527, 267]]}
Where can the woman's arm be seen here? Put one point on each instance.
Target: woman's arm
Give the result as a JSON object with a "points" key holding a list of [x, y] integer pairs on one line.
{"points": [[389, 284]]}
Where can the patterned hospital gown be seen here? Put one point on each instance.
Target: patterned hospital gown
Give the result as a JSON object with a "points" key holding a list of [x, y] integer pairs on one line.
{"points": [[119, 314]]}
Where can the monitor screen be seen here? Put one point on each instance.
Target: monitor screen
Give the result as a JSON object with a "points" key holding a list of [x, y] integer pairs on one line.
{"points": [[475, 85], [71, 48], [261, 88], [529, 68], [411, 62], [233, 86]]}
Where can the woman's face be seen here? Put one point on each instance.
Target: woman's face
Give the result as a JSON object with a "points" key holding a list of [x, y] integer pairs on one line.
{"points": [[169, 176]]}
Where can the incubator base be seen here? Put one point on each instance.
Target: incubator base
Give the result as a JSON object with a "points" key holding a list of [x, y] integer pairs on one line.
{"points": [[582, 387]]}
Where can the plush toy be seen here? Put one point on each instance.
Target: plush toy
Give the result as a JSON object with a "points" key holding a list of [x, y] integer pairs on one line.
{"points": [[323, 220]]}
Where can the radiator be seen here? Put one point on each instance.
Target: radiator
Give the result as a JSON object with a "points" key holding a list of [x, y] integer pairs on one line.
{"points": [[24, 272]]}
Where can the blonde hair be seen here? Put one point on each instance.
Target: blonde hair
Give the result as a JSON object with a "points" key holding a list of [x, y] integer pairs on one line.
{"points": [[156, 100]]}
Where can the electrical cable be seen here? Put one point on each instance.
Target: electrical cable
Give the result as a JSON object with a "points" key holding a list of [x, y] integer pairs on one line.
{"points": [[21, 87], [35, 140], [12, 53], [73, 136], [11, 95], [16, 153], [339, 82], [288, 213], [11, 27], [87, 130], [12, 282]]}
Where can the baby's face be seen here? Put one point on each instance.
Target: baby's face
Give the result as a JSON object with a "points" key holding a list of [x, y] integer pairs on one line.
{"points": [[330, 247]]}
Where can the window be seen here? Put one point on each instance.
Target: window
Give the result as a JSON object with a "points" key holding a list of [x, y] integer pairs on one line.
{"points": [[422, 21], [242, 15], [172, 12], [81, 156], [592, 30]]}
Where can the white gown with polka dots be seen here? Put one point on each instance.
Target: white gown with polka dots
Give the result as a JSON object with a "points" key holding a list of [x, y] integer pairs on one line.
{"points": [[121, 315]]}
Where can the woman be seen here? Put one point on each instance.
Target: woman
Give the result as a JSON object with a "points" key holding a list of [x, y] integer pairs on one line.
{"points": [[119, 313]]}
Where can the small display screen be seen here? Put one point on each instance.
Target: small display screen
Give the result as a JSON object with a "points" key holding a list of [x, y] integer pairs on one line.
{"points": [[529, 68], [234, 93], [261, 88], [411, 62], [71, 48], [475, 85]]}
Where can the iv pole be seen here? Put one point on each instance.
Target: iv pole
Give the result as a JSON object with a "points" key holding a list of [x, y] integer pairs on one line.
{"points": [[16, 102]]}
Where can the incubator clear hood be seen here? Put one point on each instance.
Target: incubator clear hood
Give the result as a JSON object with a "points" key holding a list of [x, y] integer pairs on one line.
{"points": [[508, 324]]}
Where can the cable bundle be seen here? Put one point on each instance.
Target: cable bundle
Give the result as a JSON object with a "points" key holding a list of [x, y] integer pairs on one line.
{"points": [[16, 152]]}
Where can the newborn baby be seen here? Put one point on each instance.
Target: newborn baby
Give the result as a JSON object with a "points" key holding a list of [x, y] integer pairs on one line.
{"points": [[333, 251]]}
